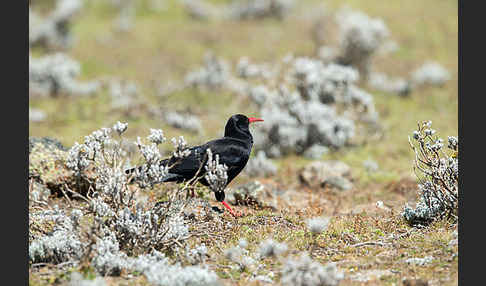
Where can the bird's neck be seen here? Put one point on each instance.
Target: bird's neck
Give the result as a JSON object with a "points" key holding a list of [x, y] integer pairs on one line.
{"points": [[245, 137], [237, 133]]}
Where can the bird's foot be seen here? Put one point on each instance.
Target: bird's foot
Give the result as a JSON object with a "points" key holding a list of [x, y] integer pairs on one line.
{"points": [[190, 193], [230, 210]]}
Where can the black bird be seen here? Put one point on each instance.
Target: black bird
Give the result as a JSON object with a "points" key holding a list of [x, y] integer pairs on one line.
{"points": [[233, 149]]}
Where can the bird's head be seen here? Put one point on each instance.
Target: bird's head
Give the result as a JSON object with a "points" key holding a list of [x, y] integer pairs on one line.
{"points": [[238, 124], [219, 196]]}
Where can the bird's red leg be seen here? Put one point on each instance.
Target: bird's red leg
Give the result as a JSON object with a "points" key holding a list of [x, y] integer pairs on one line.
{"points": [[229, 208]]}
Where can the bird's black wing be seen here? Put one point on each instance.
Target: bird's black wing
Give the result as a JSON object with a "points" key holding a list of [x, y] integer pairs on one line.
{"points": [[187, 167], [181, 169], [232, 152]]}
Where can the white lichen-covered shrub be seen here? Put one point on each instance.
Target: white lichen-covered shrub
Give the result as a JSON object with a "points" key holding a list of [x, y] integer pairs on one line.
{"points": [[309, 106], [383, 82], [316, 105], [55, 75], [258, 9], [124, 95], [53, 31], [180, 146], [437, 169], [212, 75], [162, 274], [360, 38], [304, 271], [318, 224], [259, 94], [316, 151], [370, 165], [271, 248], [60, 244], [159, 271], [246, 69], [38, 193], [419, 261], [184, 121], [200, 9], [77, 279], [260, 166], [215, 74], [430, 73], [327, 54], [216, 173], [146, 225], [36, 115], [121, 222], [238, 9], [109, 260], [318, 81], [240, 255], [125, 19], [127, 11], [107, 257], [197, 255], [125, 231]]}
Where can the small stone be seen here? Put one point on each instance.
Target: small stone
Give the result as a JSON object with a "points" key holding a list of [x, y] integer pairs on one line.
{"points": [[453, 242], [316, 152], [48, 142], [415, 282], [39, 192], [368, 275], [253, 193], [263, 278], [318, 172], [419, 261], [370, 166], [339, 183]]}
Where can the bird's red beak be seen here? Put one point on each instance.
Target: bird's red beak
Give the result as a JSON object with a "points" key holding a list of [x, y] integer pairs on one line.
{"points": [[253, 119]]}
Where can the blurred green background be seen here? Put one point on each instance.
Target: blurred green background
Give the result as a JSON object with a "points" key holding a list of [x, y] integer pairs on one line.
{"points": [[165, 44]]}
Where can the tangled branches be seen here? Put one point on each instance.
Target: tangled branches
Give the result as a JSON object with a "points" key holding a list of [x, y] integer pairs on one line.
{"points": [[119, 228], [114, 205], [438, 174]]}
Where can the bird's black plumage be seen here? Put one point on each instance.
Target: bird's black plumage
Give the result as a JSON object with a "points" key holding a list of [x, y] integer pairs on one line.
{"points": [[233, 149]]}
